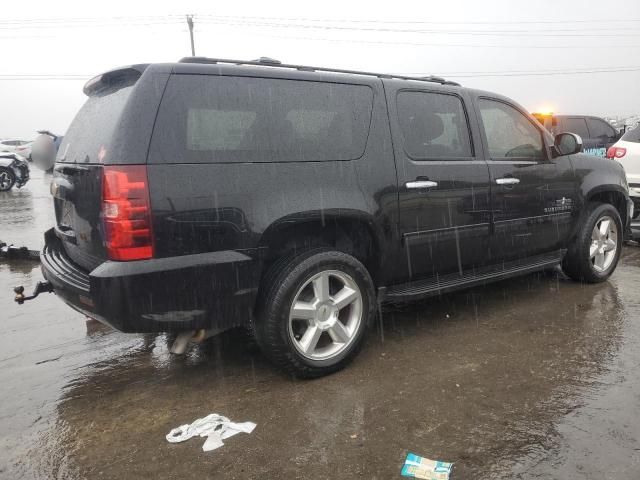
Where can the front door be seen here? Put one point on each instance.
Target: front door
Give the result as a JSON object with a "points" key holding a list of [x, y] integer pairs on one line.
{"points": [[443, 184], [533, 196], [578, 125]]}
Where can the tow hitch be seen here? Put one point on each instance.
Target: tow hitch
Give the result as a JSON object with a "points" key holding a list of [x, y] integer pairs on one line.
{"points": [[41, 287]]}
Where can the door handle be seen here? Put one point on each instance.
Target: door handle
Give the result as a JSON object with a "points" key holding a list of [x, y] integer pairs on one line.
{"points": [[507, 181], [421, 184]]}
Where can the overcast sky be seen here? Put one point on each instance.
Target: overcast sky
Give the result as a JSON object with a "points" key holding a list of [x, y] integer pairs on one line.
{"points": [[484, 44]]}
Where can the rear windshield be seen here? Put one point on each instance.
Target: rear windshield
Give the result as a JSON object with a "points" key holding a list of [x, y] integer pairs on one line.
{"points": [[205, 118], [88, 137], [632, 135]]}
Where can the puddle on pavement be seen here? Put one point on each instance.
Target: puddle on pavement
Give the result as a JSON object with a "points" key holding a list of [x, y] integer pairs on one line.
{"points": [[528, 378]]}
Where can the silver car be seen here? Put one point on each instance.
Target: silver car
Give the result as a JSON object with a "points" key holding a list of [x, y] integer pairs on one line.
{"points": [[14, 170], [12, 145]]}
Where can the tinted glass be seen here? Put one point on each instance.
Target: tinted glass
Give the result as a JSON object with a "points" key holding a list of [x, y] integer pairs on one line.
{"points": [[509, 133], [600, 129], [632, 135], [88, 137], [205, 118], [575, 125], [433, 125]]}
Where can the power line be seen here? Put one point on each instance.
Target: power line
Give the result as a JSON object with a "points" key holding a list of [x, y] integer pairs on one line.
{"points": [[179, 17], [468, 74], [45, 77], [531, 74], [438, 44], [493, 33], [316, 24], [90, 25], [425, 22], [71, 20]]}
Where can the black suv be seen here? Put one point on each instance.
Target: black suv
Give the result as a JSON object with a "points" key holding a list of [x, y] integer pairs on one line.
{"points": [[596, 133], [209, 194]]}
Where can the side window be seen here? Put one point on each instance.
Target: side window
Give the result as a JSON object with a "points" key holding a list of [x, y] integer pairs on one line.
{"points": [[600, 129], [575, 125], [208, 119], [509, 133], [433, 125]]}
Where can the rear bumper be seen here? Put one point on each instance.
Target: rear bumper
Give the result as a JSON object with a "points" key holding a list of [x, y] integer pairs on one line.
{"points": [[191, 292]]}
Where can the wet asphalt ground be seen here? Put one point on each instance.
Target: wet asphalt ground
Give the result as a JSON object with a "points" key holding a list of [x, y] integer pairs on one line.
{"points": [[533, 378]]}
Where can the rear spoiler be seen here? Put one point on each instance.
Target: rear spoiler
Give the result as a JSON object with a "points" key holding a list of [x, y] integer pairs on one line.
{"points": [[114, 80]]}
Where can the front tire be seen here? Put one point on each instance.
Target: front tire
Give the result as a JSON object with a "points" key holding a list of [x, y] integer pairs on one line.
{"points": [[314, 312], [594, 252], [7, 179]]}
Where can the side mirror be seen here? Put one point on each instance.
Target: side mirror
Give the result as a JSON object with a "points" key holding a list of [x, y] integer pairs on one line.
{"points": [[567, 144]]}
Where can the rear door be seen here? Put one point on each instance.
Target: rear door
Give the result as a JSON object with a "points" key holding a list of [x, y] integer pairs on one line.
{"points": [[533, 195], [443, 186], [602, 134]]}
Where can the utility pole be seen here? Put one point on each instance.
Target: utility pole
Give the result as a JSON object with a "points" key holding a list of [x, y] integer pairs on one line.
{"points": [[190, 23]]}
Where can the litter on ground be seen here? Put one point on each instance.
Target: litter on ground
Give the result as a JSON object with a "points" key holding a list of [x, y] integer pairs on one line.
{"points": [[215, 427], [420, 467]]}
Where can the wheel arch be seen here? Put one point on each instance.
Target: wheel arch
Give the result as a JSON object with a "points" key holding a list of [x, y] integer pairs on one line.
{"points": [[612, 194], [350, 231]]}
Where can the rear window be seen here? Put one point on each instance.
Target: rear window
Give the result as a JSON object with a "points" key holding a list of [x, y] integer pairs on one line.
{"points": [[205, 118], [88, 137], [632, 135]]}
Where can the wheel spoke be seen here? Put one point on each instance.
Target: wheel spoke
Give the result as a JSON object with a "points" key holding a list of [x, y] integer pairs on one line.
{"points": [[339, 333], [599, 261], [321, 287], [303, 310], [345, 297], [604, 228], [310, 339], [593, 249], [610, 245]]}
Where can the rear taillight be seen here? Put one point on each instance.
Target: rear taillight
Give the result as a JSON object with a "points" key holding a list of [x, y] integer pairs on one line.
{"points": [[126, 213], [616, 152]]}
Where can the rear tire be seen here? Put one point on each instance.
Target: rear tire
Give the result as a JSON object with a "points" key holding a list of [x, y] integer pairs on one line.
{"points": [[7, 179], [594, 252], [314, 311]]}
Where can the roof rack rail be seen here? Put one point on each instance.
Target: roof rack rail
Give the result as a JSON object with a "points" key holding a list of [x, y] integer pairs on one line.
{"points": [[270, 62]]}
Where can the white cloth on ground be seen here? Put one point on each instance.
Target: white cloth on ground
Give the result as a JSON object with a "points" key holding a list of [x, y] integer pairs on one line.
{"points": [[215, 427]]}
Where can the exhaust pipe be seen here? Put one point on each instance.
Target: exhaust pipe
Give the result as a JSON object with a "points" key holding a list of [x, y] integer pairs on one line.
{"points": [[180, 344]]}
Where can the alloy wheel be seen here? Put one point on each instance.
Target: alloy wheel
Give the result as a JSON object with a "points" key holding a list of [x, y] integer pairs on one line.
{"points": [[604, 244], [5, 181], [325, 315]]}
